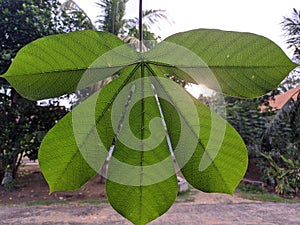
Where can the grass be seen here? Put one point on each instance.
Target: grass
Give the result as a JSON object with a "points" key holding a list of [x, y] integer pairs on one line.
{"points": [[45, 202], [52, 202], [57, 202], [243, 191], [259, 194]]}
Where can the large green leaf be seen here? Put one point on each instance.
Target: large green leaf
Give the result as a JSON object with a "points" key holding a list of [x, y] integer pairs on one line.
{"points": [[220, 158], [211, 154], [61, 64], [60, 155], [244, 64], [141, 171], [122, 122], [142, 204]]}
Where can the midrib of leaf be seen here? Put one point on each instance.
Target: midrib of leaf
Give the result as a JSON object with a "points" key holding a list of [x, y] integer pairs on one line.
{"points": [[72, 70], [40, 45], [141, 193], [214, 66], [142, 138]]}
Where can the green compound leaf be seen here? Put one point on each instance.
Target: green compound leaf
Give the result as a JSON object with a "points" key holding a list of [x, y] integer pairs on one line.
{"points": [[122, 122], [54, 65], [244, 64]]}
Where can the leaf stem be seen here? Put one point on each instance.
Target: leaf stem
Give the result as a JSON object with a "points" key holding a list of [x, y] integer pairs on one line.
{"points": [[141, 26]]}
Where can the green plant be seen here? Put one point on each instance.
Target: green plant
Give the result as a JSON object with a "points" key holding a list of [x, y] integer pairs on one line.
{"points": [[22, 122], [141, 122], [286, 177], [258, 194]]}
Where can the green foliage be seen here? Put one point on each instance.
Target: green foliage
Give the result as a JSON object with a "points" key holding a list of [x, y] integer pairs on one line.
{"points": [[67, 64], [292, 31], [286, 177], [259, 194], [112, 19], [247, 117], [140, 123], [26, 20], [281, 147], [23, 124]]}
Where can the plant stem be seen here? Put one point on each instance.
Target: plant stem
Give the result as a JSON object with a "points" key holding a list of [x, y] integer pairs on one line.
{"points": [[141, 25]]}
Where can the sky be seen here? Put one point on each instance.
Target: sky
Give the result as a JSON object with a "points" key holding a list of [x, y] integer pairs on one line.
{"points": [[261, 17]]}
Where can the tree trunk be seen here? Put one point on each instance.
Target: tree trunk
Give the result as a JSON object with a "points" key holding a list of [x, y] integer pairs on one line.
{"points": [[2, 169]]}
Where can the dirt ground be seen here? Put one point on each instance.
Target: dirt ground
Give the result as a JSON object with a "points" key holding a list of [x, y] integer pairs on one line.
{"points": [[32, 187], [202, 209], [179, 214]]}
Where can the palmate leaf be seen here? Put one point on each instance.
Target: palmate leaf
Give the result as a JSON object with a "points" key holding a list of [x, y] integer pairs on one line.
{"points": [[125, 118]]}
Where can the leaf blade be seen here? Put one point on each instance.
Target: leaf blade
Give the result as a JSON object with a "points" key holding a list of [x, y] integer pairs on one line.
{"points": [[60, 160], [141, 171], [211, 154], [155, 199], [54, 65], [244, 64]]}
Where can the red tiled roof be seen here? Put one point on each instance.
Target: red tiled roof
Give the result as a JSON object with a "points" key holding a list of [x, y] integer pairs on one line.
{"points": [[280, 100]]}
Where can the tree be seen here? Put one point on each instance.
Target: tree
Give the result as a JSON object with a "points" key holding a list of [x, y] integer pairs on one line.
{"points": [[150, 18], [23, 122], [83, 18], [291, 27], [280, 144], [112, 20], [280, 140]]}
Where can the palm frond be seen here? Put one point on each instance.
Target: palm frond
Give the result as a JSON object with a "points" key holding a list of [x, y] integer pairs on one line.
{"points": [[154, 16], [72, 6]]}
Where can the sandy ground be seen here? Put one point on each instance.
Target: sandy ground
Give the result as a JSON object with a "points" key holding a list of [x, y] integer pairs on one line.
{"points": [[205, 209], [181, 214]]}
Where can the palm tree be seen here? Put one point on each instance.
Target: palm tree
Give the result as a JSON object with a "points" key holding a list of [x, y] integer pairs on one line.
{"points": [[72, 7], [113, 21], [291, 26], [150, 17]]}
